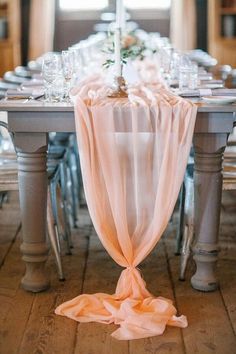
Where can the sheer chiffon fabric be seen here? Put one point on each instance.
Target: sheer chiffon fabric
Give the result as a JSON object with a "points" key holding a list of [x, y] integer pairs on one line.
{"points": [[133, 155]]}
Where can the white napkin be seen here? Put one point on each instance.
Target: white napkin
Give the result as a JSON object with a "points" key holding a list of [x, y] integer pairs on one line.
{"points": [[207, 92], [32, 83], [12, 93], [224, 92]]}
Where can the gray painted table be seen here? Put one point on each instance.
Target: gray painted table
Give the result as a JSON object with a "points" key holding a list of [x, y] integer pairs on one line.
{"points": [[32, 121]]}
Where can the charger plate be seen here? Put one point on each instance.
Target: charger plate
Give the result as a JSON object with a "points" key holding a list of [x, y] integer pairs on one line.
{"points": [[219, 99]]}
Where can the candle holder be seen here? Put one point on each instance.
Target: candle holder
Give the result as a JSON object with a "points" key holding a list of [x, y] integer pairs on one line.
{"points": [[119, 89]]}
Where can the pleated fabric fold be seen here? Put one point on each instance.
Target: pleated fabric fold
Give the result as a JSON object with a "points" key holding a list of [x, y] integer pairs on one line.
{"points": [[133, 155]]}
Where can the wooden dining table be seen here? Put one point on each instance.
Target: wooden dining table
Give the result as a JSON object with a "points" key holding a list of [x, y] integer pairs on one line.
{"points": [[31, 121]]}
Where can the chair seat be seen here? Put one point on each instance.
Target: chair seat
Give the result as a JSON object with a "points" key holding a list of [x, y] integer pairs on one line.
{"points": [[56, 152]]}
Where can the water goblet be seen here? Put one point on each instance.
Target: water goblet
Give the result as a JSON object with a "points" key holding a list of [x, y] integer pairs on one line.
{"points": [[51, 66], [68, 71], [188, 74], [165, 55]]}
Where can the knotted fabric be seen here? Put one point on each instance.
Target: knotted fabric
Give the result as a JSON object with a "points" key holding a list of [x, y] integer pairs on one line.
{"points": [[133, 154]]}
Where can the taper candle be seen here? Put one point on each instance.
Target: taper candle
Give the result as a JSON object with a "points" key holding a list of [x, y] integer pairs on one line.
{"points": [[119, 13], [117, 52]]}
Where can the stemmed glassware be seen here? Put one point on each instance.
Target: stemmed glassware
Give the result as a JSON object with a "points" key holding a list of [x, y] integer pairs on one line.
{"points": [[165, 54], [188, 74], [68, 71], [51, 67]]}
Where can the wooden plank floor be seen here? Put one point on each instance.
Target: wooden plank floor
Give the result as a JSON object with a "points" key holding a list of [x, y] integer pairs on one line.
{"points": [[28, 324]]}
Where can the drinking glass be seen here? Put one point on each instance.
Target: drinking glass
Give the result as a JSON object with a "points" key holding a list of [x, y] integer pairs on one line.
{"points": [[193, 77], [165, 54], [51, 66], [67, 58], [58, 90], [174, 68], [188, 74], [78, 66]]}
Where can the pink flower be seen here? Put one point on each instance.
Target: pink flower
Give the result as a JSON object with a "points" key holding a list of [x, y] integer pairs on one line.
{"points": [[128, 41]]}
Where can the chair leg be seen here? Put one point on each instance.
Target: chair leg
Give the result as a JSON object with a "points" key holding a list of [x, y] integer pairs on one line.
{"points": [[185, 253], [69, 194], [1, 199], [64, 207], [53, 237], [74, 187], [78, 169], [180, 230], [53, 194]]}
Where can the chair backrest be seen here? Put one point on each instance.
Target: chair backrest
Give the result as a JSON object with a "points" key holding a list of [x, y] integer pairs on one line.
{"points": [[5, 135]]}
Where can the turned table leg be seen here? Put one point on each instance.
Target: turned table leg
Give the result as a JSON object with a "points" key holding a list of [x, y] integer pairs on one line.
{"points": [[32, 174], [209, 150]]}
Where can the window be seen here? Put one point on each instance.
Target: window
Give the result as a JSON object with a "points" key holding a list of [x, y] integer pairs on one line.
{"points": [[68, 5], [92, 9], [147, 4]]}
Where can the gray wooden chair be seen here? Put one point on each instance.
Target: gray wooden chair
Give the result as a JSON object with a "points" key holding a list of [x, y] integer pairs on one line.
{"points": [[9, 182], [185, 232], [71, 171]]}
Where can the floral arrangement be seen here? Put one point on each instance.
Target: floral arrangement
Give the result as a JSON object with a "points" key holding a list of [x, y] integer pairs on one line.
{"points": [[131, 48]]}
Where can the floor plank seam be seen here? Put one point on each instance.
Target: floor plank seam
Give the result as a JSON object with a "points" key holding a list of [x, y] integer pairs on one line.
{"points": [[41, 331], [82, 283], [11, 245], [226, 309], [173, 288], [26, 324], [86, 260]]}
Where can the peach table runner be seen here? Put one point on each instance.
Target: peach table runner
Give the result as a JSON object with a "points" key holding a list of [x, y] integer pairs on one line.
{"points": [[133, 155]]}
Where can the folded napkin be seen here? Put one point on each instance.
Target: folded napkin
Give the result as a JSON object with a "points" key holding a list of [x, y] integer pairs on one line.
{"points": [[32, 83], [205, 82], [205, 76], [37, 77], [207, 92], [194, 93], [224, 92], [23, 94]]}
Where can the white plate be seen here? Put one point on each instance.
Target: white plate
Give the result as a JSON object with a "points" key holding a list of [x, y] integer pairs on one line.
{"points": [[219, 99]]}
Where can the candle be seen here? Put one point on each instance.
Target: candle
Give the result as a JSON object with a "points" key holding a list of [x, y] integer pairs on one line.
{"points": [[117, 52], [119, 13], [123, 19]]}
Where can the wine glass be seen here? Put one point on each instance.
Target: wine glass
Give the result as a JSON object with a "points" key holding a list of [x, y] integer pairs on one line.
{"points": [[188, 74], [165, 55], [68, 71], [51, 67]]}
